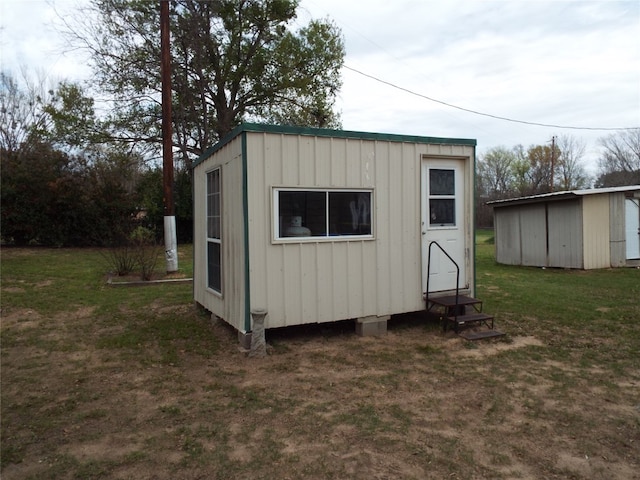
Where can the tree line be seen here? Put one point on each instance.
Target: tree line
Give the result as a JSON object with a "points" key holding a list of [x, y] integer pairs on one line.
{"points": [[558, 165], [64, 182], [79, 162]]}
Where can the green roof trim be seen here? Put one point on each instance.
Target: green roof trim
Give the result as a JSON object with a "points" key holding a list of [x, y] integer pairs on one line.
{"points": [[325, 132], [245, 214]]}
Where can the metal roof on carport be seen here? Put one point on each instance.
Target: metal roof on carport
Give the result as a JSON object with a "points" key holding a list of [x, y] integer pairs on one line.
{"points": [[564, 195]]}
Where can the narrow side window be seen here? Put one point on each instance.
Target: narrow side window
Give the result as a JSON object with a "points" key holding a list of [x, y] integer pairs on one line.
{"points": [[214, 231]]}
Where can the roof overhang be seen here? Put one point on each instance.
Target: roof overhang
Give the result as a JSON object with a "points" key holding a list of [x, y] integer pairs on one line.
{"points": [[564, 195], [325, 132]]}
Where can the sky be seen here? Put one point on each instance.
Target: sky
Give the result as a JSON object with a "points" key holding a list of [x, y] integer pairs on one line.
{"points": [[490, 70]]}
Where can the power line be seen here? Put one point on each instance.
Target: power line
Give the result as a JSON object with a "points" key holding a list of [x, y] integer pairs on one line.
{"points": [[475, 112]]}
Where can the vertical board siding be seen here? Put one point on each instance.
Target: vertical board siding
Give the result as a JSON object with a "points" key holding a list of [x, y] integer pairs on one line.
{"points": [[565, 234], [341, 284], [230, 305], [507, 236], [355, 276], [583, 231], [306, 161], [322, 169], [595, 224], [533, 235], [411, 222], [324, 281], [337, 160], [391, 257], [233, 244], [309, 282], [260, 175], [617, 236], [354, 161], [199, 235]]}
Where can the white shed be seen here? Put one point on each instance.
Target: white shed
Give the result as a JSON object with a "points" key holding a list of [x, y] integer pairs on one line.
{"points": [[584, 229], [316, 225]]}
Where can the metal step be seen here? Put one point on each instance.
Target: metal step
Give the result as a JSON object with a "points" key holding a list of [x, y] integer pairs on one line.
{"points": [[469, 335], [449, 301], [470, 318], [452, 304]]}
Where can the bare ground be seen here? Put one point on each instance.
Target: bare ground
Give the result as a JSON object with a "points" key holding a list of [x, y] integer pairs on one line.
{"points": [[324, 403]]}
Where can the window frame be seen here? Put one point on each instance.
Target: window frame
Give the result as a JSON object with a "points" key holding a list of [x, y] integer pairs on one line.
{"points": [[327, 237], [439, 196], [213, 239]]}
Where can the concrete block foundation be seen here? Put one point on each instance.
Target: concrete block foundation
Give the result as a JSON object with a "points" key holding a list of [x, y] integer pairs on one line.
{"points": [[372, 326]]}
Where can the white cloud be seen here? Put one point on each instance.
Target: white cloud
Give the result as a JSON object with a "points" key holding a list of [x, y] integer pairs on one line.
{"points": [[573, 63], [29, 39], [566, 62]]}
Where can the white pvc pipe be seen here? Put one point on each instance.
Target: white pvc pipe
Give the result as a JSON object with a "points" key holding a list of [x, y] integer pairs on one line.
{"points": [[170, 244]]}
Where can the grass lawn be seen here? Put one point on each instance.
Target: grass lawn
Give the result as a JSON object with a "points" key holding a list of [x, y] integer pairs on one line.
{"points": [[134, 383]]}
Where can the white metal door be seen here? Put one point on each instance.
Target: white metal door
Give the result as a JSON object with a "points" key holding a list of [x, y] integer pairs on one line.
{"points": [[443, 221], [632, 222]]}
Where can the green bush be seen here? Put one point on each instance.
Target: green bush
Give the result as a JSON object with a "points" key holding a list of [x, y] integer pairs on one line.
{"points": [[51, 198]]}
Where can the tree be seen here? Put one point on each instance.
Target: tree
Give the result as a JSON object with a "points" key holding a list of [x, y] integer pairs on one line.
{"points": [[494, 180], [59, 185], [504, 172], [619, 163], [22, 117], [232, 60], [26, 196], [35, 111], [520, 168], [49, 197], [571, 174], [150, 191], [495, 172], [541, 168], [72, 119]]}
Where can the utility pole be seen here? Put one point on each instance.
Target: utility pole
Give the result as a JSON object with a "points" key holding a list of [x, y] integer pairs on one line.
{"points": [[553, 158], [170, 241]]}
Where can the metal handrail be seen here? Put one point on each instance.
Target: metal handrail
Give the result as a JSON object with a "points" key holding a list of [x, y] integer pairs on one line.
{"points": [[433, 242]]}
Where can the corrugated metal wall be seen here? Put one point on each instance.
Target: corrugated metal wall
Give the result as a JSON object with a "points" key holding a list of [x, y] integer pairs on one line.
{"points": [[332, 280], [564, 229], [533, 234], [231, 304], [507, 236], [521, 235], [595, 227], [540, 234], [587, 232], [617, 234]]}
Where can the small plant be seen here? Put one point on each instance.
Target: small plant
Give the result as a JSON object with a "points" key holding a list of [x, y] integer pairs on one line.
{"points": [[120, 259], [146, 251]]}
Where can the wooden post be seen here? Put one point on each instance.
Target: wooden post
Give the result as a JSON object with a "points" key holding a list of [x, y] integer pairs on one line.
{"points": [[170, 241]]}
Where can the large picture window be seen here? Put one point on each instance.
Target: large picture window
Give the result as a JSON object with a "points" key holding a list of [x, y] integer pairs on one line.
{"points": [[214, 231], [322, 213]]}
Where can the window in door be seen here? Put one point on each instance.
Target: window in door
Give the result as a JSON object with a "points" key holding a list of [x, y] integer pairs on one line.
{"points": [[442, 197]]}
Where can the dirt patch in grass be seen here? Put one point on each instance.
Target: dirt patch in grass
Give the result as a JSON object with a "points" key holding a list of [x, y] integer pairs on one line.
{"points": [[483, 349], [20, 318], [13, 289], [324, 403]]}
